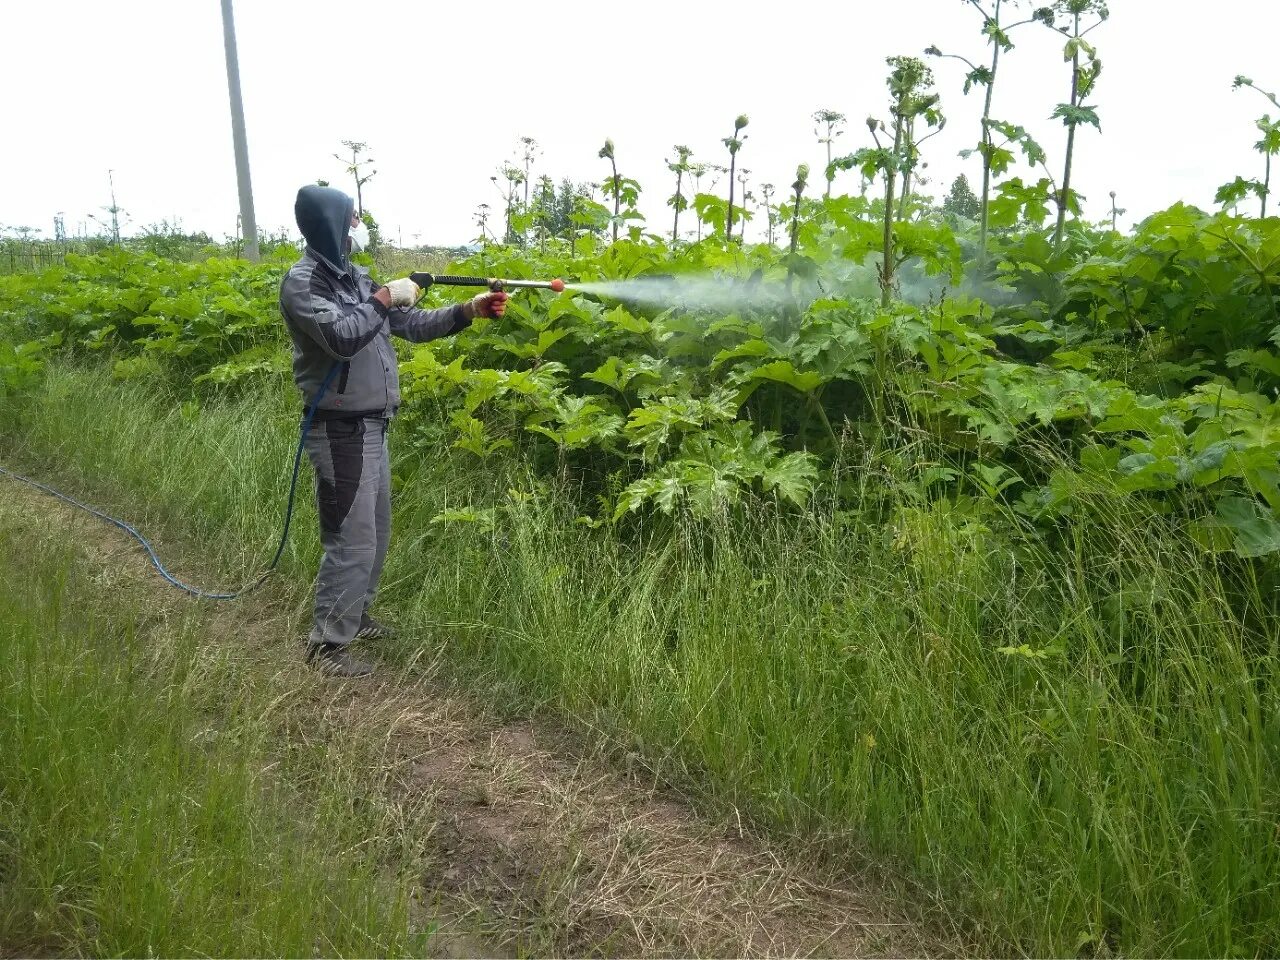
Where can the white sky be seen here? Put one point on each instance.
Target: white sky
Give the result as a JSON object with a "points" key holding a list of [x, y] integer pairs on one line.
{"points": [[442, 92]]}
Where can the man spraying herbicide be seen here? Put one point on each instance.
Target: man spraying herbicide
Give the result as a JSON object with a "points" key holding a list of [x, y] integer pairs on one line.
{"points": [[341, 323]]}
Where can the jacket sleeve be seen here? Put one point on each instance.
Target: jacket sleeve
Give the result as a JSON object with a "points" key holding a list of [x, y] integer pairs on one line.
{"points": [[419, 325], [340, 331]]}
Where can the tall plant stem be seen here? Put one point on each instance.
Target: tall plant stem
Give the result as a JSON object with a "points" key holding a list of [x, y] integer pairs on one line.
{"points": [[1266, 187], [617, 197], [985, 216], [728, 223], [795, 234], [675, 223], [827, 195], [1064, 195], [890, 181], [905, 193]]}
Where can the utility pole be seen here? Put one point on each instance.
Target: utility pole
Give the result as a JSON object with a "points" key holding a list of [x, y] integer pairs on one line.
{"points": [[250, 226]]}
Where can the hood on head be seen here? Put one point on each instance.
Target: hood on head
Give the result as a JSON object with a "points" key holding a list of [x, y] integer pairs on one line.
{"points": [[324, 217]]}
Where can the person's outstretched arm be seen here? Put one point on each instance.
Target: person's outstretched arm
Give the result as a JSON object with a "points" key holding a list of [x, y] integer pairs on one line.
{"points": [[418, 325]]}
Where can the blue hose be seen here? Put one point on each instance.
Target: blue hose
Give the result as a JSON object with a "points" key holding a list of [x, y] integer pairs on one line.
{"points": [[146, 544]]}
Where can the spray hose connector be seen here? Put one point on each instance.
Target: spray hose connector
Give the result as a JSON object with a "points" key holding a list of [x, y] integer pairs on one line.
{"points": [[425, 280]]}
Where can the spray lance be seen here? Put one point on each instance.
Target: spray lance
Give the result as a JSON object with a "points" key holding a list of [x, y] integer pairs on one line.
{"points": [[495, 284]]}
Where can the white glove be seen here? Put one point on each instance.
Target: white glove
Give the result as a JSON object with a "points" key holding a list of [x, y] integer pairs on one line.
{"points": [[403, 292]]}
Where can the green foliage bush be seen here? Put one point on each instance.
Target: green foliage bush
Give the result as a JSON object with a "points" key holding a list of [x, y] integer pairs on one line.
{"points": [[1146, 364]]}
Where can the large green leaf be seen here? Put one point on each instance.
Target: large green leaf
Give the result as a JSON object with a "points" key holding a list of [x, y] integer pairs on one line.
{"points": [[793, 477], [781, 371], [1255, 529]]}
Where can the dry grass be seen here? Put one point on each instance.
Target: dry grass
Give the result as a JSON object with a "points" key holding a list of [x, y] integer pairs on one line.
{"points": [[391, 262]]}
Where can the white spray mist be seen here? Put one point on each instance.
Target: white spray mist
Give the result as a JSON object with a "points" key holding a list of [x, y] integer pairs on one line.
{"points": [[699, 292], [708, 292]]}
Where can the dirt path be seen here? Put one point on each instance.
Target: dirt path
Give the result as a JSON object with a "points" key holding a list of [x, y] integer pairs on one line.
{"points": [[524, 845]]}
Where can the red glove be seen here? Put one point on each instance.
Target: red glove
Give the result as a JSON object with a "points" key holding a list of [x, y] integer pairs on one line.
{"points": [[489, 305]]}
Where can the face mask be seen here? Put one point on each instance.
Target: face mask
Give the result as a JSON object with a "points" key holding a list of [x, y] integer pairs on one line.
{"points": [[359, 237]]}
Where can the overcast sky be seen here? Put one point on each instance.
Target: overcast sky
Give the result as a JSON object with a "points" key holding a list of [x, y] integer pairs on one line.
{"points": [[442, 92]]}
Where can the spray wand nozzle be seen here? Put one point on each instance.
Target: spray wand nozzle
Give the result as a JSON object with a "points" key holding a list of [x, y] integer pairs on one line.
{"points": [[495, 284]]}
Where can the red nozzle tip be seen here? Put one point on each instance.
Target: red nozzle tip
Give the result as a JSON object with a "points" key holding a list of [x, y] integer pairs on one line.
{"points": [[557, 285]]}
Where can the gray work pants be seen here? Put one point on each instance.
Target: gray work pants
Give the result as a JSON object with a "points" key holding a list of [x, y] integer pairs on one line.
{"points": [[353, 493]]}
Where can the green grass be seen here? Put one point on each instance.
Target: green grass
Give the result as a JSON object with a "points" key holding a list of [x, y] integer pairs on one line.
{"points": [[1077, 743], [136, 814]]}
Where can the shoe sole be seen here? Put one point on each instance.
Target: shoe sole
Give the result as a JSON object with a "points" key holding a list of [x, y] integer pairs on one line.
{"points": [[328, 668], [341, 673]]}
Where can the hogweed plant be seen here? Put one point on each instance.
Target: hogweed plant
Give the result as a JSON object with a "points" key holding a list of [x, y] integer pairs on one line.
{"points": [[698, 171], [1116, 213], [622, 189], [1232, 193], [911, 163], [744, 177], [1075, 19], [529, 151], [797, 194], [357, 167], [766, 190], [830, 125], [911, 98], [613, 184], [513, 177], [998, 37], [733, 144], [677, 201]]}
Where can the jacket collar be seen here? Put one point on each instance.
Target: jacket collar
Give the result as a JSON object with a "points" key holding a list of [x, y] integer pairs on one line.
{"points": [[319, 257]]}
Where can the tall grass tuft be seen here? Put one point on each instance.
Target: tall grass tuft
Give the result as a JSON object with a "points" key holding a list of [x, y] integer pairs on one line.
{"points": [[135, 815]]}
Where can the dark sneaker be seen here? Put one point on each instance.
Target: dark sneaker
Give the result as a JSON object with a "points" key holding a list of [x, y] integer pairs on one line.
{"points": [[334, 661], [371, 629]]}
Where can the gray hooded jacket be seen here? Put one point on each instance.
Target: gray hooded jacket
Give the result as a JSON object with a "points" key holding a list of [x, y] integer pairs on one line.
{"points": [[328, 306]]}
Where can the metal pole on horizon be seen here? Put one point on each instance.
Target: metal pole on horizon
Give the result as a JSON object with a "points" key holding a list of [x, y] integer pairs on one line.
{"points": [[247, 222]]}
